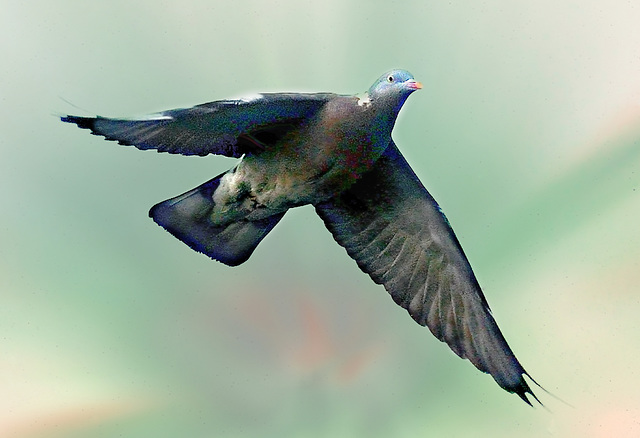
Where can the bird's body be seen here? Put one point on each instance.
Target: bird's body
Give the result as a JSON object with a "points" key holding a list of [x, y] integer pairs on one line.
{"points": [[296, 171], [336, 153]]}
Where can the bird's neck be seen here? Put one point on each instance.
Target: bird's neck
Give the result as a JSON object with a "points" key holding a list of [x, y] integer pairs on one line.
{"points": [[384, 119]]}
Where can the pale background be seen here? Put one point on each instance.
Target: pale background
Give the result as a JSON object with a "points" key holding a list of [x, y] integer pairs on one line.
{"points": [[527, 132]]}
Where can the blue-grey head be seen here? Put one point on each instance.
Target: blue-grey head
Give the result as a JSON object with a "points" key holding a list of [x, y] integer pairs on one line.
{"points": [[393, 88]]}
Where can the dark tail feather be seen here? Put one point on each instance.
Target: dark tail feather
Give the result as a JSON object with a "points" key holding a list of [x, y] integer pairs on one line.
{"points": [[187, 218]]}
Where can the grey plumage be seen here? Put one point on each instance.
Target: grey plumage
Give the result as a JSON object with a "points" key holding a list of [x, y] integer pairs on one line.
{"points": [[334, 152]]}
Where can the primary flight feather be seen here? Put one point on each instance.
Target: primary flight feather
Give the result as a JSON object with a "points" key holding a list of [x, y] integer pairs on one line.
{"points": [[336, 153]]}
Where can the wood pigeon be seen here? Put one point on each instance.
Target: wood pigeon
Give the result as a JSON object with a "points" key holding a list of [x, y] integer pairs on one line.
{"points": [[334, 152]]}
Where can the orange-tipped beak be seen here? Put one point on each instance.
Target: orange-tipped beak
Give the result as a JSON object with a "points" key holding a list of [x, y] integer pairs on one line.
{"points": [[414, 85]]}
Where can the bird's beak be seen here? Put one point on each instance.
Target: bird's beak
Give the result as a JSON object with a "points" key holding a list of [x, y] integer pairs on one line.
{"points": [[413, 85]]}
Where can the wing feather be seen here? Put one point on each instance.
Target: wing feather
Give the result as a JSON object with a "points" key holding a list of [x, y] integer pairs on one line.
{"points": [[225, 127], [392, 227]]}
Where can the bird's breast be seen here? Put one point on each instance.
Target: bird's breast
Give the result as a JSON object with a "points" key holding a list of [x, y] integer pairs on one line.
{"points": [[317, 161]]}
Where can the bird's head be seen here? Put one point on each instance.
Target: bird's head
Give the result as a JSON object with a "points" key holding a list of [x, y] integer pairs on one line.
{"points": [[394, 87]]}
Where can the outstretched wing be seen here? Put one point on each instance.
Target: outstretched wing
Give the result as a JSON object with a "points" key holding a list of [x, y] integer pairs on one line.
{"points": [[392, 227], [224, 127]]}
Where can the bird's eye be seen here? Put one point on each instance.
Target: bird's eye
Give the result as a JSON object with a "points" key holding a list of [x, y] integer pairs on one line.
{"points": [[390, 79]]}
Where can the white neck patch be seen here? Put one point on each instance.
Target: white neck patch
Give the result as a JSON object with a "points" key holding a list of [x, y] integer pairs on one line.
{"points": [[363, 99]]}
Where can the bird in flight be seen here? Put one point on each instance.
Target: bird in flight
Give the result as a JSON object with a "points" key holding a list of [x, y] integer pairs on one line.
{"points": [[334, 152]]}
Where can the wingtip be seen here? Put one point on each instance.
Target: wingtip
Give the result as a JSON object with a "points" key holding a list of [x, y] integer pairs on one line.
{"points": [[524, 391], [525, 394], [81, 122]]}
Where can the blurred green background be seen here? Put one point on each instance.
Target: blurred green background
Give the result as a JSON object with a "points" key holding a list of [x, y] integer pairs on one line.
{"points": [[527, 132]]}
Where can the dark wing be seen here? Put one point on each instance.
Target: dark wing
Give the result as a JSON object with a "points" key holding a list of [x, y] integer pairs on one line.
{"points": [[225, 127], [392, 227]]}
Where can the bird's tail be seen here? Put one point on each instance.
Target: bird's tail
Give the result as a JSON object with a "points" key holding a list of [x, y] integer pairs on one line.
{"points": [[187, 217]]}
